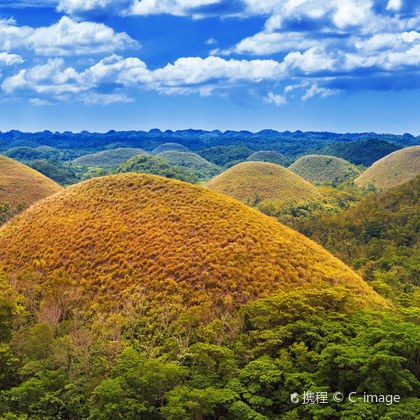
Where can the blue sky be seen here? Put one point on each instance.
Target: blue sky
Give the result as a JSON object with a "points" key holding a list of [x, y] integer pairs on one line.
{"points": [[337, 65]]}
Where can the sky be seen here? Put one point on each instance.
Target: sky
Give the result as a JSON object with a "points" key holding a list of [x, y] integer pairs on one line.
{"points": [[322, 65]]}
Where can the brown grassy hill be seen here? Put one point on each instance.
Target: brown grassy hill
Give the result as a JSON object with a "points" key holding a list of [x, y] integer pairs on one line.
{"points": [[324, 168], [113, 157], [22, 185], [253, 182], [392, 170], [181, 243]]}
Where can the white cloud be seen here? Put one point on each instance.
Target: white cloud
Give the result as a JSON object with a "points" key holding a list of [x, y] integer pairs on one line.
{"points": [[173, 7], [211, 41], [66, 37], [277, 100], [314, 90], [10, 59]]}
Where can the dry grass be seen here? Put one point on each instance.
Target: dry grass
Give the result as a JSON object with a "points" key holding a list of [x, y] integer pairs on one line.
{"points": [[253, 182], [392, 170], [181, 243], [22, 185]]}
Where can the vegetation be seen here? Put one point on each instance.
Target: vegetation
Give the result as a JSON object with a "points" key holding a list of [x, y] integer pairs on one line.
{"points": [[169, 147], [270, 156], [379, 237], [324, 169], [25, 154], [56, 171], [226, 156], [363, 152], [20, 185], [175, 241], [392, 170], [113, 157], [254, 182], [192, 162], [149, 164]]}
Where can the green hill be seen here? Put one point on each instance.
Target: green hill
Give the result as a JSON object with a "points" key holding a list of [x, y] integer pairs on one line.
{"points": [[192, 162], [113, 157], [324, 168], [149, 164], [363, 152], [254, 182], [392, 170], [269, 156], [380, 237], [55, 171], [166, 147]]}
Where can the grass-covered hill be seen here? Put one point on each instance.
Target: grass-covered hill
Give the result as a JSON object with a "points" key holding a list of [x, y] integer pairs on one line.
{"points": [[254, 182], [150, 164], [394, 169], [226, 156], [176, 242], [324, 168], [362, 152], [380, 236], [192, 162], [21, 185], [56, 171], [269, 156], [166, 147], [113, 157]]}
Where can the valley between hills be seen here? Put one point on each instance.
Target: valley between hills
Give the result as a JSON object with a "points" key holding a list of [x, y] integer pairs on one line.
{"points": [[208, 275]]}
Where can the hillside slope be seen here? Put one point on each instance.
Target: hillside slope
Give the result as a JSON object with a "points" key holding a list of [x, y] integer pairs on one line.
{"points": [[392, 170], [113, 157], [191, 161], [269, 156], [253, 182], [175, 241], [22, 185], [324, 168], [166, 147]]}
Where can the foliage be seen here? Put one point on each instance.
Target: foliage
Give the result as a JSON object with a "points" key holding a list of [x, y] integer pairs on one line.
{"points": [[380, 237], [363, 152], [296, 341], [392, 170], [192, 162], [254, 182], [149, 164], [225, 156], [324, 169], [55, 171]]}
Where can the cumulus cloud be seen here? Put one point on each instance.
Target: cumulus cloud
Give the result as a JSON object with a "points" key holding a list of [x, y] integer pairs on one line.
{"points": [[7, 59], [277, 100], [66, 37]]}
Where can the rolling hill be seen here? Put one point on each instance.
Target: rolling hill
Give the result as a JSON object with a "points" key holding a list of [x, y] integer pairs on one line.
{"points": [[254, 182], [113, 157], [226, 156], [166, 147], [21, 185], [269, 156], [192, 162], [176, 242], [324, 168], [362, 152], [392, 170], [149, 164]]}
